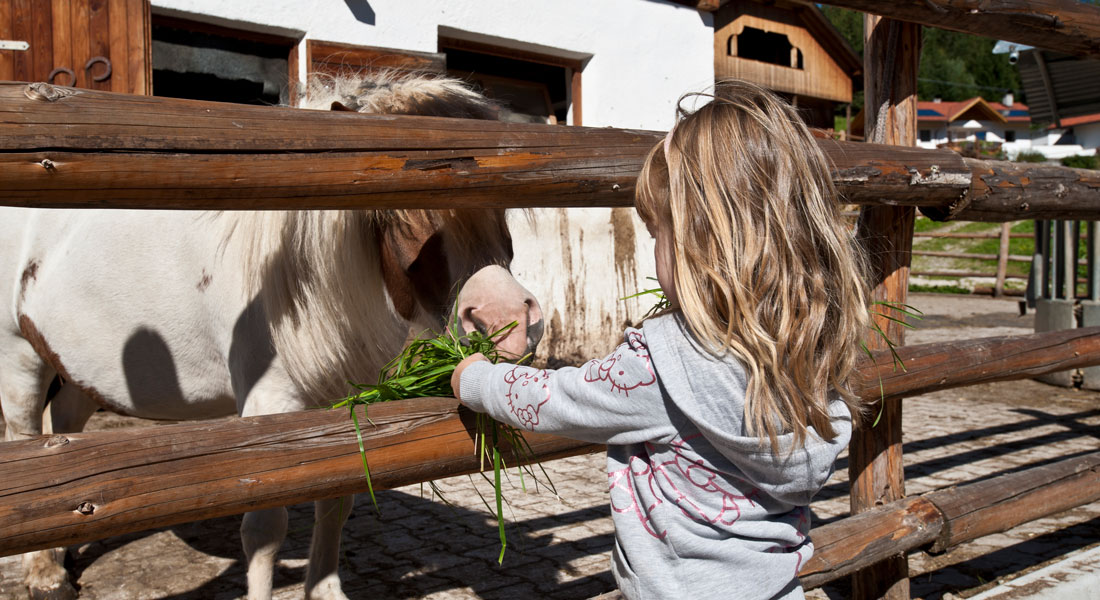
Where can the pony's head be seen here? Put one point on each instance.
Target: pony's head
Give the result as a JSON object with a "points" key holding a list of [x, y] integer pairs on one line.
{"points": [[349, 285]]}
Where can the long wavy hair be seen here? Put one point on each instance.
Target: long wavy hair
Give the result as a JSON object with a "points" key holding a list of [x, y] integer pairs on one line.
{"points": [[764, 267]]}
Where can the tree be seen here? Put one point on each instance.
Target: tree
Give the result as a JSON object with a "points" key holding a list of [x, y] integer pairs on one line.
{"points": [[954, 66]]}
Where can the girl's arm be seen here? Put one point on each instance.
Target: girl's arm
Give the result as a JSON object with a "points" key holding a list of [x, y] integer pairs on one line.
{"points": [[614, 400]]}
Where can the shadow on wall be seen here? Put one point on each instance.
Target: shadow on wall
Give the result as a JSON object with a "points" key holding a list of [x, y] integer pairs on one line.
{"points": [[362, 11]]}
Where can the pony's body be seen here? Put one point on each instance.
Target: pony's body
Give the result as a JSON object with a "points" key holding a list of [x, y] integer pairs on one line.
{"points": [[185, 315]]}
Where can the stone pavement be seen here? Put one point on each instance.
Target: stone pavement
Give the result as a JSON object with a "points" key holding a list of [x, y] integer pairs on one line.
{"points": [[558, 546]]}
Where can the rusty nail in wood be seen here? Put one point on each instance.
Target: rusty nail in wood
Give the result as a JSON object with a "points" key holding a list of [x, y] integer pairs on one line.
{"points": [[616, 187], [85, 508], [57, 440]]}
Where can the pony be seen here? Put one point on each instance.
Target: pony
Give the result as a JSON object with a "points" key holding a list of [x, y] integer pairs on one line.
{"points": [[185, 315]]}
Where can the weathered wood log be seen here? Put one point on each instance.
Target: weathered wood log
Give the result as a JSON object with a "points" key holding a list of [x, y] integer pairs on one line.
{"points": [[891, 57], [859, 541], [1001, 503], [949, 517], [84, 486], [81, 487], [940, 366], [1065, 25], [61, 147], [1000, 188]]}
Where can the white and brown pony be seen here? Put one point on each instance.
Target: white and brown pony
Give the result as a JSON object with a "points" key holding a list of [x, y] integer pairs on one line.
{"points": [[184, 315]]}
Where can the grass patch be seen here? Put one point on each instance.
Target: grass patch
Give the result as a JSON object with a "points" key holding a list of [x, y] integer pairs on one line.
{"points": [[939, 289], [1031, 157], [923, 224], [423, 370], [1081, 162]]}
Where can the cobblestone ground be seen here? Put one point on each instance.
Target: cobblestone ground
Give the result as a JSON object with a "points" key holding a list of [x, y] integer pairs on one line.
{"points": [[558, 546]]}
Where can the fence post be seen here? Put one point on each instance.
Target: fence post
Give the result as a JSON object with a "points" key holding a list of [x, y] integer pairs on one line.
{"points": [[1002, 261], [890, 57]]}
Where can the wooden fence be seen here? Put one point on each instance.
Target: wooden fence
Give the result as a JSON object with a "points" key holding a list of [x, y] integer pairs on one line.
{"points": [[1000, 272], [76, 148]]}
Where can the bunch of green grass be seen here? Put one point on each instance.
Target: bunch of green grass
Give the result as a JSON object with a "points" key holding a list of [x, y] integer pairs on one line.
{"points": [[898, 313], [660, 300], [423, 370]]}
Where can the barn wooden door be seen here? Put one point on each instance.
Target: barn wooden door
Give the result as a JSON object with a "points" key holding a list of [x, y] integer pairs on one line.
{"points": [[99, 44]]}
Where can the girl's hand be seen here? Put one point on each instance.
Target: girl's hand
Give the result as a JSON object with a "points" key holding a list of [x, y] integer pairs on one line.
{"points": [[456, 377]]}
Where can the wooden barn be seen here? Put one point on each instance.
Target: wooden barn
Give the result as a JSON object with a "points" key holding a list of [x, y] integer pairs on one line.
{"points": [[791, 49]]}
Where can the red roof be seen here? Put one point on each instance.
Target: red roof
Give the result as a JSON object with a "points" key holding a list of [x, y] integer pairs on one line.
{"points": [[1017, 113], [1081, 120], [928, 110]]}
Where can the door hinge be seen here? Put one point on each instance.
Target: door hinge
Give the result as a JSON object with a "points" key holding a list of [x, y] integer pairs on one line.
{"points": [[13, 45]]}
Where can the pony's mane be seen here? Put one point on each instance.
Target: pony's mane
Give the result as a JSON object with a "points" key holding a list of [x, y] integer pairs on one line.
{"points": [[399, 93], [309, 267]]}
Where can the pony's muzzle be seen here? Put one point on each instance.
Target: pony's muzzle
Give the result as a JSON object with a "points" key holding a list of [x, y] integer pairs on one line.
{"points": [[492, 299]]}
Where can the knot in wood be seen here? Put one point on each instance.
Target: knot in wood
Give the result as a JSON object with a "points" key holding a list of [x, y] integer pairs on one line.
{"points": [[45, 92], [56, 440], [85, 508], [48, 164], [616, 187]]}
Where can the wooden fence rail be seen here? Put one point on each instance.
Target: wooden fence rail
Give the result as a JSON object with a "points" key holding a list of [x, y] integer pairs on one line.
{"points": [[946, 518], [72, 488], [62, 147], [1064, 25]]}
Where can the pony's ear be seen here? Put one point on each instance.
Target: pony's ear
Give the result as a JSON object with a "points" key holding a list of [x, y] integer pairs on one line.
{"points": [[340, 107]]}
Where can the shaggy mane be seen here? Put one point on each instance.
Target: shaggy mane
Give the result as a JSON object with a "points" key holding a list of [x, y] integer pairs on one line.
{"points": [[318, 272]]}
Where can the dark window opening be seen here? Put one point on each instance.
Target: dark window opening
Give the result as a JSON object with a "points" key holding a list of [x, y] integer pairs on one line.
{"points": [[529, 91], [926, 135], [1010, 136], [764, 46], [201, 65]]}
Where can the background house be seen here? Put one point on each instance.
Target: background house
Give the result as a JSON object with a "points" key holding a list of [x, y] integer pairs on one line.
{"points": [[791, 49]]}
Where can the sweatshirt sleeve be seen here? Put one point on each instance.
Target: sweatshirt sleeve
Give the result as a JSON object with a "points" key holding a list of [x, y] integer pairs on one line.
{"points": [[614, 400]]}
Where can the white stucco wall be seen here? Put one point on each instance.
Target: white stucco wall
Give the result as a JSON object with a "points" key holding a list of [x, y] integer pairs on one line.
{"points": [[1088, 135], [643, 54], [640, 57]]}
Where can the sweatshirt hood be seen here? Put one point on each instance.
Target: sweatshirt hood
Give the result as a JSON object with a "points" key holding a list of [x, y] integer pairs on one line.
{"points": [[709, 391]]}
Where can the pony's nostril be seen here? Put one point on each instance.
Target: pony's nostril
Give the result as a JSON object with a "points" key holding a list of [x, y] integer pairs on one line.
{"points": [[467, 321]]}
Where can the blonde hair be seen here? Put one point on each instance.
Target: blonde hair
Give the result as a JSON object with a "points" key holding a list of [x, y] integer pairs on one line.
{"points": [[764, 267]]}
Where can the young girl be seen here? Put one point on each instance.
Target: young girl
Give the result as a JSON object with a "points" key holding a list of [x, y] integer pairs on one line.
{"points": [[722, 415]]}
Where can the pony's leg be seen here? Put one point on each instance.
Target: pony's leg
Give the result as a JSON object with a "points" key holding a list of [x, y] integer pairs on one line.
{"points": [[23, 380], [70, 410], [322, 579], [262, 532]]}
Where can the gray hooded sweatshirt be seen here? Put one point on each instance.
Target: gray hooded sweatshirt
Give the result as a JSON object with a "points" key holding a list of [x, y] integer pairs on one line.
{"points": [[701, 508]]}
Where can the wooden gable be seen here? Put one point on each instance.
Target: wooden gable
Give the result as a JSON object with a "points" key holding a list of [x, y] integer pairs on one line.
{"points": [[785, 47]]}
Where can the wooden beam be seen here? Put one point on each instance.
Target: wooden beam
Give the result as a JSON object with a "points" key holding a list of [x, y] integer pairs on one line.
{"points": [[63, 489], [71, 488], [61, 147], [932, 367], [1001, 503], [1067, 26], [1001, 188], [861, 540], [891, 57], [951, 516]]}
